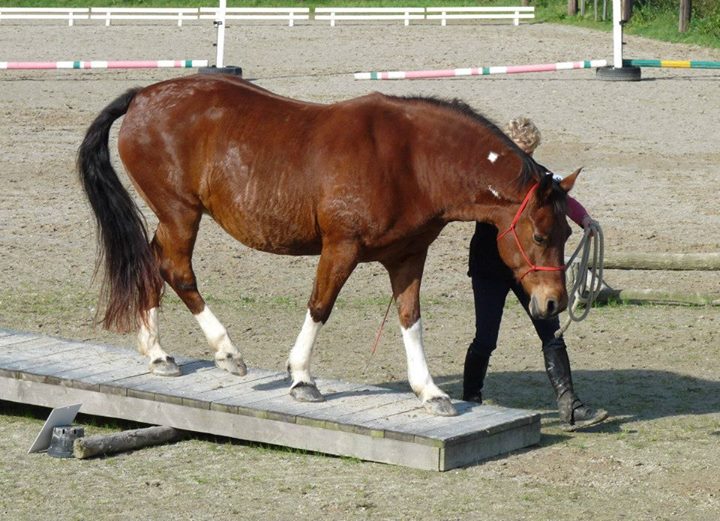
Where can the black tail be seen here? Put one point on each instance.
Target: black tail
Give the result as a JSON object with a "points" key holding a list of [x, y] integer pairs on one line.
{"points": [[131, 281]]}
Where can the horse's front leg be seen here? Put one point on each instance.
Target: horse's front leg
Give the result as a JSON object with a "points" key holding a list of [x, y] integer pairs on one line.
{"points": [[405, 277], [337, 261]]}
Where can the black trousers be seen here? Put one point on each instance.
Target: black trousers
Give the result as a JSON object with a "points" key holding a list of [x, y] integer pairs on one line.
{"points": [[489, 295]]}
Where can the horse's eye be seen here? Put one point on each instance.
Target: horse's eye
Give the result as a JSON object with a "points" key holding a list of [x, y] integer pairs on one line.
{"points": [[539, 239]]}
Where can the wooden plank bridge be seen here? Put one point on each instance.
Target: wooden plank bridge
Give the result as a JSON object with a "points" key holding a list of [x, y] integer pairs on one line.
{"points": [[362, 421]]}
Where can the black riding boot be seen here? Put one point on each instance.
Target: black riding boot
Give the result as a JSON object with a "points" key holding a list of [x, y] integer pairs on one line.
{"points": [[476, 367], [573, 413]]}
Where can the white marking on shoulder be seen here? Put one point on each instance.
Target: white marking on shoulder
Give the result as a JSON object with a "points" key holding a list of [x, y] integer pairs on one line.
{"points": [[492, 157]]}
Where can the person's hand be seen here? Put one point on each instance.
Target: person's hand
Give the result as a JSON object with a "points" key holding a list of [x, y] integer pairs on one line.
{"points": [[589, 222]]}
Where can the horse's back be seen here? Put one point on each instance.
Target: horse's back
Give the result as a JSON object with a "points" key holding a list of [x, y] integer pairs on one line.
{"points": [[276, 173]]}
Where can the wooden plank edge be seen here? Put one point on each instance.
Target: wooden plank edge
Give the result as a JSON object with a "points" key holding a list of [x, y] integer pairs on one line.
{"points": [[531, 419], [474, 451], [408, 437], [340, 443]]}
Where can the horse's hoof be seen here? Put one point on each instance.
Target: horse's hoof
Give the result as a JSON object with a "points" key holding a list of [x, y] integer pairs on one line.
{"points": [[440, 406], [305, 392], [166, 367], [233, 364]]}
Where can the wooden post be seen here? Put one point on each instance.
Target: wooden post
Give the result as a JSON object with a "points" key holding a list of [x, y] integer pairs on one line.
{"points": [[685, 14], [656, 296], [123, 441], [663, 261], [572, 7], [627, 7]]}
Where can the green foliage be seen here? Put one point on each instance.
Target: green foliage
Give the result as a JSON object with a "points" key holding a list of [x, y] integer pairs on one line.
{"points": [[657, 19]]}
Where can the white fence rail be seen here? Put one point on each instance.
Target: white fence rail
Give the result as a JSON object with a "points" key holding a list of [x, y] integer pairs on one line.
{"points": [[480, 13], [286, 14], [333, 14], [44, 13], [109, 14], [289, 14]]}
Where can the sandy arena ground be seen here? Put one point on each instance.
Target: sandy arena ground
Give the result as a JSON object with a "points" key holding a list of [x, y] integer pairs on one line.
{"points": [[651, 152]]}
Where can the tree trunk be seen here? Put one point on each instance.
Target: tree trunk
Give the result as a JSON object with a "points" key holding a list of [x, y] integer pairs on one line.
{"points": [[525, 3], [572, 7], [685, 13], [627, 7]]}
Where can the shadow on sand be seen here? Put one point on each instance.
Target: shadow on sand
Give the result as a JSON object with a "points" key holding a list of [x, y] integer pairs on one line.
{"points": [[629, 395]]}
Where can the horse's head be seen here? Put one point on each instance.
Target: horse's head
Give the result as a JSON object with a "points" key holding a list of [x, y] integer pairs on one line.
{"points": [[532, 244]]}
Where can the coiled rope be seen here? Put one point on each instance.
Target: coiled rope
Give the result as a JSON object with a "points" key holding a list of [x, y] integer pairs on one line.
{"points": [[587, 275]]}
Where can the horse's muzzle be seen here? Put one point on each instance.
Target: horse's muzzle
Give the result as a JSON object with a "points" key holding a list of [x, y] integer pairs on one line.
{"points": [[547, 307]]}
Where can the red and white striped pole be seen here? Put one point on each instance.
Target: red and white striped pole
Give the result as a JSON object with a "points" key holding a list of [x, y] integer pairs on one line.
{"points": [[480, 71]]}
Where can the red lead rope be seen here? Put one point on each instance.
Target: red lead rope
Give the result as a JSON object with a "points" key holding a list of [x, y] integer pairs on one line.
{"points": [[517, 239]]}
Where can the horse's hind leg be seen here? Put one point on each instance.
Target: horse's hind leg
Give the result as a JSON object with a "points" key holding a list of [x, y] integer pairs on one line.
{"points": [[173, 244], [335, 265], [161, 363]]}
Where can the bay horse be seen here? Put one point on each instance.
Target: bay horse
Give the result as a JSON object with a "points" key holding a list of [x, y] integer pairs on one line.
{"points": [[369, 179]]}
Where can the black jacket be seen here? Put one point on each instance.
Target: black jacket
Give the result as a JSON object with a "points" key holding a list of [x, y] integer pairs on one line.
{"points": [[485, 261]]}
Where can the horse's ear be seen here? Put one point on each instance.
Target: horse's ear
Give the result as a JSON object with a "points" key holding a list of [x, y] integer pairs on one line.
{"points": [[568, 182]]}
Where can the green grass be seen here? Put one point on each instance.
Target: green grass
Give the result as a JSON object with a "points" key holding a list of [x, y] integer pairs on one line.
{"points": [[656, 19]]}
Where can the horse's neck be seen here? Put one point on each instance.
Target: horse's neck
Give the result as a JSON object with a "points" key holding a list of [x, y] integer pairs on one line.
{"points": [[481, 189]]}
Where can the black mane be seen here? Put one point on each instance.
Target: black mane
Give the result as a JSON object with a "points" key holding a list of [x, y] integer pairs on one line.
{"points": [[550, 185], [530, 171]]}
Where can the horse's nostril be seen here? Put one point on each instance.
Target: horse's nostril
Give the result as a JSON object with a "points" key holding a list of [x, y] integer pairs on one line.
{"points": [[551, 307]]}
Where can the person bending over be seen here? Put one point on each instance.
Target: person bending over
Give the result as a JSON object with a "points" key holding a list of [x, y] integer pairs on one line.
{"points": [[492, 280]]}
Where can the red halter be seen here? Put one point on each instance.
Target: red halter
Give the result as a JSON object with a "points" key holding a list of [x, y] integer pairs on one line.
{"points": [[517, 239]]}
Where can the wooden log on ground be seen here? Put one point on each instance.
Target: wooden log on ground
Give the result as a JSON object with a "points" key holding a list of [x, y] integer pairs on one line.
{"points": [[663, 261], [656, 296], [123, 441]]}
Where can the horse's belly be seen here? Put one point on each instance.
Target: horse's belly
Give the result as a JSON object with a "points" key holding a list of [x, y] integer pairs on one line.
{"points": [[282, 232]]}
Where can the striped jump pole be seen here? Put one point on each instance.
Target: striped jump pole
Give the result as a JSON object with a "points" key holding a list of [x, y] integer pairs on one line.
{"points": [[106, 64], [480, 71], [672, 64]]}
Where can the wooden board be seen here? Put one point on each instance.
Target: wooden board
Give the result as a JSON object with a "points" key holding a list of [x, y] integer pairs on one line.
{"points": [[362, 421]]}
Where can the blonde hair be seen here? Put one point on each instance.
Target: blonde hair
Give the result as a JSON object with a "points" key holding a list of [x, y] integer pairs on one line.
{"points": [[524, 133]]}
